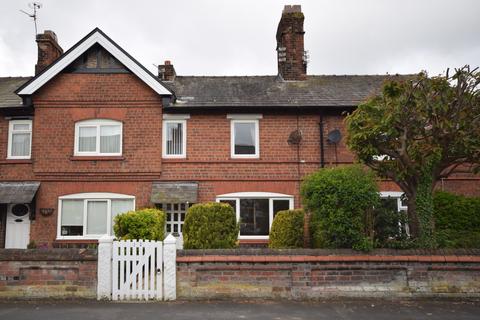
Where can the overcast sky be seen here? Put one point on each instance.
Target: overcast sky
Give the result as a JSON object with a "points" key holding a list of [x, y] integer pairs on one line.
{"points": [[238, 37]]}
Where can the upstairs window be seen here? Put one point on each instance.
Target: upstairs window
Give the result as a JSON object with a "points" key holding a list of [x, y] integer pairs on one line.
{"points": [[174, 136], [245, 136], [19, 139], [98, 138]]}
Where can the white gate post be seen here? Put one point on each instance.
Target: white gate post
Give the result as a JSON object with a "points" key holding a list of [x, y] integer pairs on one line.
{"points": [[104, 268], [170, 268]]}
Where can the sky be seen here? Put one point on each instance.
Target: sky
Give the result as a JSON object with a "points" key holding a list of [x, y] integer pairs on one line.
{"points": [[237, 37]]}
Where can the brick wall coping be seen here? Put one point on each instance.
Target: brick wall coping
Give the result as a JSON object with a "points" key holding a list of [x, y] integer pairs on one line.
{"points": [[330, 258], [327, 252], [323, 255], [48, 255]]}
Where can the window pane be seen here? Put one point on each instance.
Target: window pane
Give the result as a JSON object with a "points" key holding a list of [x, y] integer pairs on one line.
{"points": [[174, 138], [232, 203], [389, 203], [280, 205], [20, 144], [121, 206], [254, 217], [72, 218], [21, 126], [244, 138], [96, 217], [110, 139], [87, 140]]}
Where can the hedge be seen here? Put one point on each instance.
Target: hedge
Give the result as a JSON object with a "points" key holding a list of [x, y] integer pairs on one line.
{"points": [[287, 229], [457, 220], [210, 226], [146, 224], [339, 200]]}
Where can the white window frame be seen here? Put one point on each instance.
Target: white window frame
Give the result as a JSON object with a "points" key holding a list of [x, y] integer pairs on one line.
{"points": [[11, 123], [244, 118], [88, 197], [96, 123], [395, 194], [256, 195], [400, 207], [174, 119]]}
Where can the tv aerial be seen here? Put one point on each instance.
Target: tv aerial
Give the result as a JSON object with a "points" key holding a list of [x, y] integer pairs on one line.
{"points": [[35, 6]]}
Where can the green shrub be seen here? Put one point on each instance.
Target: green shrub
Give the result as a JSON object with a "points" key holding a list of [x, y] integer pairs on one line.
{"points": [[339, 200], [146, 224], [457, 220], [210, 226], [287, 229]]}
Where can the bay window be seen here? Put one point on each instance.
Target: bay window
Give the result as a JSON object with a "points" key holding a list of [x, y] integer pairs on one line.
{"points": [[98, 138], [19, 139], [90, 215], [255, 211]]}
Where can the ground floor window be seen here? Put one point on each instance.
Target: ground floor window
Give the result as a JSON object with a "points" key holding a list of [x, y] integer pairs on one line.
{"points": [[175, 216], [396, 201], [256, 210], [90, 215]]}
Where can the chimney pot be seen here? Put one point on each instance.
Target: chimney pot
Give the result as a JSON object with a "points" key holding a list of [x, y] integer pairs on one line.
{"points": [[166, 71]]}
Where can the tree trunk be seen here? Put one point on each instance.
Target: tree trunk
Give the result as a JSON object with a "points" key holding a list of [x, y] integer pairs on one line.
{"points": [[424, 212], [413, 224]]}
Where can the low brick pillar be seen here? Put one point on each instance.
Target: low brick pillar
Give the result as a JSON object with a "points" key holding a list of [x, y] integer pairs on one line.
{"points": [[54, 273], [313, 274]]}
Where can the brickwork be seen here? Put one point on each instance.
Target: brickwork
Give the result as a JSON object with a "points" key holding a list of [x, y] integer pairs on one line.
{"points": [[48, 273], [72, 97], [267, 274], [290, 44]]}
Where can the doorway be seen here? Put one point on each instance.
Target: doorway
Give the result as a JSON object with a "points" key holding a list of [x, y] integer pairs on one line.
{"points": [[17, 233]]}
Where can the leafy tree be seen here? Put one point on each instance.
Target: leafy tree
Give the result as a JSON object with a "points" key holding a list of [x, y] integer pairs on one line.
{"points": [[418, 131]]}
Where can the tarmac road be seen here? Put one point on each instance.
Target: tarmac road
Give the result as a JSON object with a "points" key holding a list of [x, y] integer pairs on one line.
{"points": [[253, 309]]}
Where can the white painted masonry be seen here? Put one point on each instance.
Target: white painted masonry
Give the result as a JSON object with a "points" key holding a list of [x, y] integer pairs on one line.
{"points": [[104, 268]]}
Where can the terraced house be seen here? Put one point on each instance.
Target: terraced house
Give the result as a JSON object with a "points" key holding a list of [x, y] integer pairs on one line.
{"points": [[94, 134]]}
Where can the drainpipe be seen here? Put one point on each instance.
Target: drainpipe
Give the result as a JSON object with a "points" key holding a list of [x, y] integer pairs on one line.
{"points": [[322, 150]]}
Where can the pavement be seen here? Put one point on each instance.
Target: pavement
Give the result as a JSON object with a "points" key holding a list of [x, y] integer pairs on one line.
{"points": [[256, 309]]}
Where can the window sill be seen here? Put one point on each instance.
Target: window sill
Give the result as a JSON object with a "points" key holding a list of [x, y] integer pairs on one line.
{"points": [[97, 158], [244, 158], [16, 161]]}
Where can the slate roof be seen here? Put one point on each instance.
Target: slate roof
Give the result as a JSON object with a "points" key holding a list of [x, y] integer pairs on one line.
{"points": [[8, 98], [270, 91], [251, 91]]}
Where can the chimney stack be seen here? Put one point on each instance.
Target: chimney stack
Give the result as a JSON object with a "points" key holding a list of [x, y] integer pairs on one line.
{"points": [[48, 50], [292, 58], [166, 71]]}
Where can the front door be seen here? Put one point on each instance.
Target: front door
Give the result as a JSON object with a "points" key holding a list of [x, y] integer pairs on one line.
{"points": [[17, 233]]}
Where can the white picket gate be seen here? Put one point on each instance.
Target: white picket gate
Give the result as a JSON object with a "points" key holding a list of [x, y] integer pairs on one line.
{"points": [[137, 269]]}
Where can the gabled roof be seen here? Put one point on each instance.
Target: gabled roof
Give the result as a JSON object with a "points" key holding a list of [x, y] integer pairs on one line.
{"points": [[95, 36], [273, 92], [8, 85]]}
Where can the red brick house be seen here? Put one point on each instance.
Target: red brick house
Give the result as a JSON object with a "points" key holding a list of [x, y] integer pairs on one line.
{"points": [[94, 134]]}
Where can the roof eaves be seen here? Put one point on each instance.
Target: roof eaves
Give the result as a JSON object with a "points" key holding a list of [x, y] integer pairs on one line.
{"points": [[90, 34]]}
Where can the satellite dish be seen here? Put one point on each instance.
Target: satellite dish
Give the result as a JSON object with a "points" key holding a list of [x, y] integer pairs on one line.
{"points": [[334, 136], [295, 137]]}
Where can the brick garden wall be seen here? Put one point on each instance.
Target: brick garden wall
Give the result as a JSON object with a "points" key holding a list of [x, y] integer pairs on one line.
{"points": [[61, 273], [311, 274]]}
